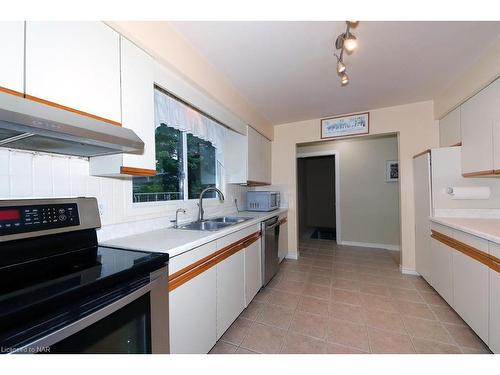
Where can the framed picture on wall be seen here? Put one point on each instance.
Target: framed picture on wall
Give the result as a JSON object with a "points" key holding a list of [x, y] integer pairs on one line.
{"points": [[343, 126], [392, 170]]}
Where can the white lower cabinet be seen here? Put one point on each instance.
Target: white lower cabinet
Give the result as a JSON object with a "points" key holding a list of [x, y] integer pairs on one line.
{"points": [[283, 240], [230, 291], [494, 327], [193, 314], [204, 307], [253, 271], [441, 270], [471, 292]]}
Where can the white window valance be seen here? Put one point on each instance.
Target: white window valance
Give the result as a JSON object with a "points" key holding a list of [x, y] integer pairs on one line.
{"points": [[176, 114]]}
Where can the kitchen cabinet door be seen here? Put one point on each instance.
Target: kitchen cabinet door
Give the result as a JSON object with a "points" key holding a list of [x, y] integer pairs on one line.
{"points": [[471, 292], [193, 315], [441, 270], [477, 117], [230, 291], [76, 65], [266, 159], [12, 61], [255, 168], [253, 272], [494, 318], [137, 91], [449, 129]]}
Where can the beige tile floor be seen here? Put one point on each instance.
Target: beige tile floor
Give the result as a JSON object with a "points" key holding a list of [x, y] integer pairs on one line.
{"points": [[341, 299]]}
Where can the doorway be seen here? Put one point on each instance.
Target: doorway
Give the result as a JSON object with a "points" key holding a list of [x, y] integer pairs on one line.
{"points": [[317, 201]]}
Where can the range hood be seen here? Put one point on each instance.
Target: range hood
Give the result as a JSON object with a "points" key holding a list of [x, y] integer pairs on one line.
{"points": [[29, 125]]}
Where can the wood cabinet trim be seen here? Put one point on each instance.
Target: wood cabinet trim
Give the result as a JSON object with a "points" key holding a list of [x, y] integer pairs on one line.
{"points": [[487, 259], [189, 272], [137, 171], [256, 183], [69, 109], [489, 172], [11, 92], [428, 151]]}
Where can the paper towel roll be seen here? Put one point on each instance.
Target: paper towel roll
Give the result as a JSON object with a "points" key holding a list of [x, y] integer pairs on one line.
{"points": [[469, 192]]}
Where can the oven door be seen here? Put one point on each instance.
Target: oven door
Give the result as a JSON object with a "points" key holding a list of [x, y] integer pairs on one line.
{"points": [[135, 323]]}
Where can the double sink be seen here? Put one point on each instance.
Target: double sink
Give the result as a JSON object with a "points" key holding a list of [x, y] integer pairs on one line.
{"points": [[214, 224]]}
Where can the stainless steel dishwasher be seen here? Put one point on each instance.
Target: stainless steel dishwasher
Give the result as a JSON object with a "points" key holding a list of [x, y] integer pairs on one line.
{"points": [[270, 241]]}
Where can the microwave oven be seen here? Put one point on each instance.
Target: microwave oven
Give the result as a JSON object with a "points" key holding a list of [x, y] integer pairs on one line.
{"points": [[263, 200]]}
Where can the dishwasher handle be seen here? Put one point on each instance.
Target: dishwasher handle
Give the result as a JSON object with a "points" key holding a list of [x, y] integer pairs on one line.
{"points": [[271, 223]]}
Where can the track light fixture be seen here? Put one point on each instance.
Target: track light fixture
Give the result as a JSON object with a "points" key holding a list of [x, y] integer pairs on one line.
{"points": [[345, 42]]}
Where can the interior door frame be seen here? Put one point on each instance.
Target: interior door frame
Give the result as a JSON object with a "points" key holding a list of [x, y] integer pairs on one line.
{"points": [[336, 153]]}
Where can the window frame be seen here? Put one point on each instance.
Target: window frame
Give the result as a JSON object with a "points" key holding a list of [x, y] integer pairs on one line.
{"points": [[219, 179]]}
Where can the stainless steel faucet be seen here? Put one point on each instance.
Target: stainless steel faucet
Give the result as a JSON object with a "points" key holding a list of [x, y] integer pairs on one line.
{"points": [[200, 203], [176, 221]]}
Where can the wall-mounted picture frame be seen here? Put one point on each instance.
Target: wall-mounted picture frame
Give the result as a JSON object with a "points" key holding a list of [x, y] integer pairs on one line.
{"points": [[392, 170], [344, 126]]}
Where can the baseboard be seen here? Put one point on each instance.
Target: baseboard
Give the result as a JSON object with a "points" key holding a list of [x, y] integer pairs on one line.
{"points": [[408, 271], [371, 244], [293, 256]]}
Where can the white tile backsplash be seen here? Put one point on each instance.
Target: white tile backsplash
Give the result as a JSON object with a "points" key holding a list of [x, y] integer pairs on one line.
{"points": [[25, 174]]}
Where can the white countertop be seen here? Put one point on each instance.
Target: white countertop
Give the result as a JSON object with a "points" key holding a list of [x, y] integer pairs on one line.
{"points": [[177, 241], [488, 229]]}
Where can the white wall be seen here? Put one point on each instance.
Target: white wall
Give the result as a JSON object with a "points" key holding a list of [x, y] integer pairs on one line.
{"points": [[369, 205], [417, 130], [27, 175]]}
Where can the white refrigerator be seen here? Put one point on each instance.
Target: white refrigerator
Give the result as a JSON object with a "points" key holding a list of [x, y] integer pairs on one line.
{"points": [[423, 210]]}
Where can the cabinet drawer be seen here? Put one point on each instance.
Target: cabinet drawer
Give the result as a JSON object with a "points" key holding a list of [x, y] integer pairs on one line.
{"points": [[443, 229], [494, 249], [236, 236], [189, 257], [468, 239]]}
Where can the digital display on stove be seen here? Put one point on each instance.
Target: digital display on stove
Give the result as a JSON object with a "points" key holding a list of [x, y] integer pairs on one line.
{"points": [[33, 218], [10, 215]]}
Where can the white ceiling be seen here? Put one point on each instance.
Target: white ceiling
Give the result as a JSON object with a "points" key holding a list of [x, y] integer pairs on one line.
{"points": [[287, 69]]}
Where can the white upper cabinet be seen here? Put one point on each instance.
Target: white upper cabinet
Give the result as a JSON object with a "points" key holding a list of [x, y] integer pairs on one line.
{"points": [[248, 158], [478, 116], [76, 65], [259, 157], [137, 91], [12, 60], [449, 129]]}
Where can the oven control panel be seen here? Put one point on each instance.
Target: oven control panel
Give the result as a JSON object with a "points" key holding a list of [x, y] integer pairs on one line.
{"points": [[20, 219]]}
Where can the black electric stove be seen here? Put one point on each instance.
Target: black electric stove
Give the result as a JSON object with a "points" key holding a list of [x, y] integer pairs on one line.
{"points": [[54, 275]]}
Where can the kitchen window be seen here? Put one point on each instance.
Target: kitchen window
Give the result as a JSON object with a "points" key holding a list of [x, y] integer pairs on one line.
{"points": [[189, 153]]}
